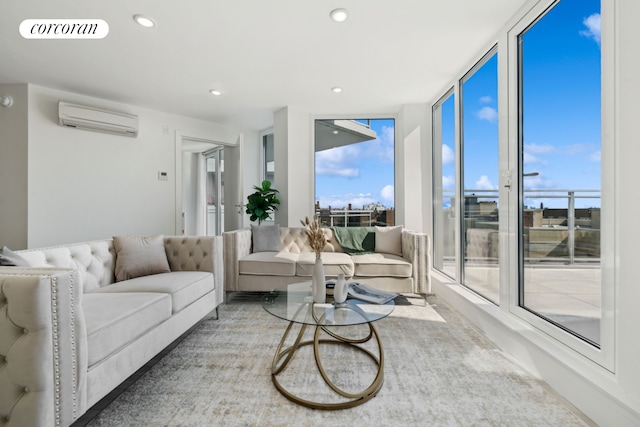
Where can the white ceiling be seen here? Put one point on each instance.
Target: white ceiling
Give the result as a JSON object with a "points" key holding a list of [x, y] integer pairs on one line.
{"points": [[263, 54]]}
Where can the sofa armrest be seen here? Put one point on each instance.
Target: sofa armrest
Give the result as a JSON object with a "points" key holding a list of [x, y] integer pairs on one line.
{"points": [[237, 245], [198, 253], [416, 247], [43, 347]]}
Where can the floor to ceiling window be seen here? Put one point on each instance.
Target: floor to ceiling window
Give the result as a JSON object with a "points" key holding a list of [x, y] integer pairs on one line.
{"points": [[444, 185], [530, 193], [479, 142], [560, 176], [354, 172]]}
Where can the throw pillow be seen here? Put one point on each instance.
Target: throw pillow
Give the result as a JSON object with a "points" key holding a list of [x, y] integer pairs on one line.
{"points": [[389, 240], [139, 256], [266, 238], [355, 240], [8, 258]]}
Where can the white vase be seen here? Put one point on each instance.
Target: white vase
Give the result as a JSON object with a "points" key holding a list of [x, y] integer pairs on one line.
{"points": [[318, 285], [340, 290]]}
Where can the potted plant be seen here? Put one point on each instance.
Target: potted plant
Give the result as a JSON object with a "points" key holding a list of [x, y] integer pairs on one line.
{"points": [[261, 203]]}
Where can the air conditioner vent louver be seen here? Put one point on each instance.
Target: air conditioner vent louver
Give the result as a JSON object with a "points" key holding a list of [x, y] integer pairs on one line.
{"points": [[97, 119]]}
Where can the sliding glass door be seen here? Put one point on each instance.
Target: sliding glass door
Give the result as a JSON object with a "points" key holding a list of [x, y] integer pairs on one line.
{"points": [[517, 177], [215, 191], [479, 141], [559, 171]]}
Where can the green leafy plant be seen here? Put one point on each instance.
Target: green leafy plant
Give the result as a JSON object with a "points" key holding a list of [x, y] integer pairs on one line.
{"points": [[261, 203]]}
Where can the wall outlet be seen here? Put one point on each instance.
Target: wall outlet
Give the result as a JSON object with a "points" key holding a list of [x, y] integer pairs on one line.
{"points": [[163, 176]]}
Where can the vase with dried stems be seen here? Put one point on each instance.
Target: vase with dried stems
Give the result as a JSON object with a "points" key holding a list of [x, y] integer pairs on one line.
{"points": [[317, 242]]}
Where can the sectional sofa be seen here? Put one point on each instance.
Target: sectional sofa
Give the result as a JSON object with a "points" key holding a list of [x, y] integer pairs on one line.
{"points": [[77, 320], [267, 257]]}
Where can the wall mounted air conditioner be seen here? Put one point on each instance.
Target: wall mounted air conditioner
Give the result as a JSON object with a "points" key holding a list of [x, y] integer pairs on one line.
{"points": [[97, 119]]}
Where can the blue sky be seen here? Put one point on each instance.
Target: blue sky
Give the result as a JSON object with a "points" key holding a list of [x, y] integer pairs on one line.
{"points": [[561, 103], [359, 174], [561, 74]]}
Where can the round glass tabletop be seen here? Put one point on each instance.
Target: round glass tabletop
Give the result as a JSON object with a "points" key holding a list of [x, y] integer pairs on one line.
{"points": [[295, 304]]}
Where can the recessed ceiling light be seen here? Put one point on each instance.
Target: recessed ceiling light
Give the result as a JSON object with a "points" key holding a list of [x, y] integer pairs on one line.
{"points": [[336, 89], [339, 15], [335, 132], [215, 92], [144, 21]]}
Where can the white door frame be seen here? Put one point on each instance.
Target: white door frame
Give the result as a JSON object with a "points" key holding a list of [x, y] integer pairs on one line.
{"points": [[179, 137]]}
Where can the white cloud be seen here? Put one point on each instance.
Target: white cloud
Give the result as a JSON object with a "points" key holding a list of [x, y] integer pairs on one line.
{"points": [[596, 157], [539, 148], [338, 161], [489, 114], [341, 172], [447, 155], [484, 183], [387, 193], [448, 182], [382, 147], [341, 201], [529, 158], [592, 22], [485, 99], [386, 142]]}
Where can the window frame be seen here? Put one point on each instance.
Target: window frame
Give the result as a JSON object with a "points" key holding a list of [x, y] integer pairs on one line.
{"points": [[437, 171], [562, 344], [603, 356]]}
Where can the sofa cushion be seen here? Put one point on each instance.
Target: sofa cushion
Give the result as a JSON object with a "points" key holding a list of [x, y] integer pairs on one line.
{"points": [[184, 287], [8, 258], [139, 256], [115, 319], [94, 260], [381, 265], [389, 240], [269, 264], [266, 238], [334, 263]]}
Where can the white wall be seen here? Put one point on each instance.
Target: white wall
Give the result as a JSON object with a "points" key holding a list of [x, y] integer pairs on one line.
{"points": [[412, 136], [294, 160], [190, 191], [86, 185], [13, 170], [251, 168], [623, 114]]}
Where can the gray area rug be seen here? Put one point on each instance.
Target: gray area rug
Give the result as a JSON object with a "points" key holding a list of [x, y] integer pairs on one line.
{"points": [[439, 371]]}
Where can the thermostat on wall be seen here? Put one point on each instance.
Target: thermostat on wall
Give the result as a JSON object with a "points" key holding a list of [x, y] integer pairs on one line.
{"points": [[163, 176]]}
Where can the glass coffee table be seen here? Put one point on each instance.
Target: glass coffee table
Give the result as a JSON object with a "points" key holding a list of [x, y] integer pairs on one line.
{"points": [[294, 303]]}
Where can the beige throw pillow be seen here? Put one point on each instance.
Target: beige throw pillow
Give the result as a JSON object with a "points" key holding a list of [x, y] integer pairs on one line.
{"points": [[389, 240], [139, 256]]}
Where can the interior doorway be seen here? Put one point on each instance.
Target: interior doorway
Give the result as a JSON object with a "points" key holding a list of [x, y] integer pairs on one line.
{"points": [[202, 188]]}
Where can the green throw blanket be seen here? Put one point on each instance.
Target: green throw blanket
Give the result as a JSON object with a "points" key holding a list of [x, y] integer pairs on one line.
{"points": [[356, 240]]}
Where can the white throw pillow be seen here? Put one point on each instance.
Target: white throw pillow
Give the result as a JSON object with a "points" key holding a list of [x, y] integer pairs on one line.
{"points": [[8, 258], [139, 256], [389, 240]]}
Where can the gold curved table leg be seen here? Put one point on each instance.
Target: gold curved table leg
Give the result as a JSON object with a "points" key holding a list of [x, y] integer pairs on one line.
{"points": [[356, 398]]}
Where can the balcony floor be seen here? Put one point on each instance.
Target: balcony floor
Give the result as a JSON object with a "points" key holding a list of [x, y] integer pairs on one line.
{"points": [[567, 295]]}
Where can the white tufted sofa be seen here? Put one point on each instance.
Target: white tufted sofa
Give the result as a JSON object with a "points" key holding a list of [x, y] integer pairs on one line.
{"points": [[264, 271], [69, 334]]}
